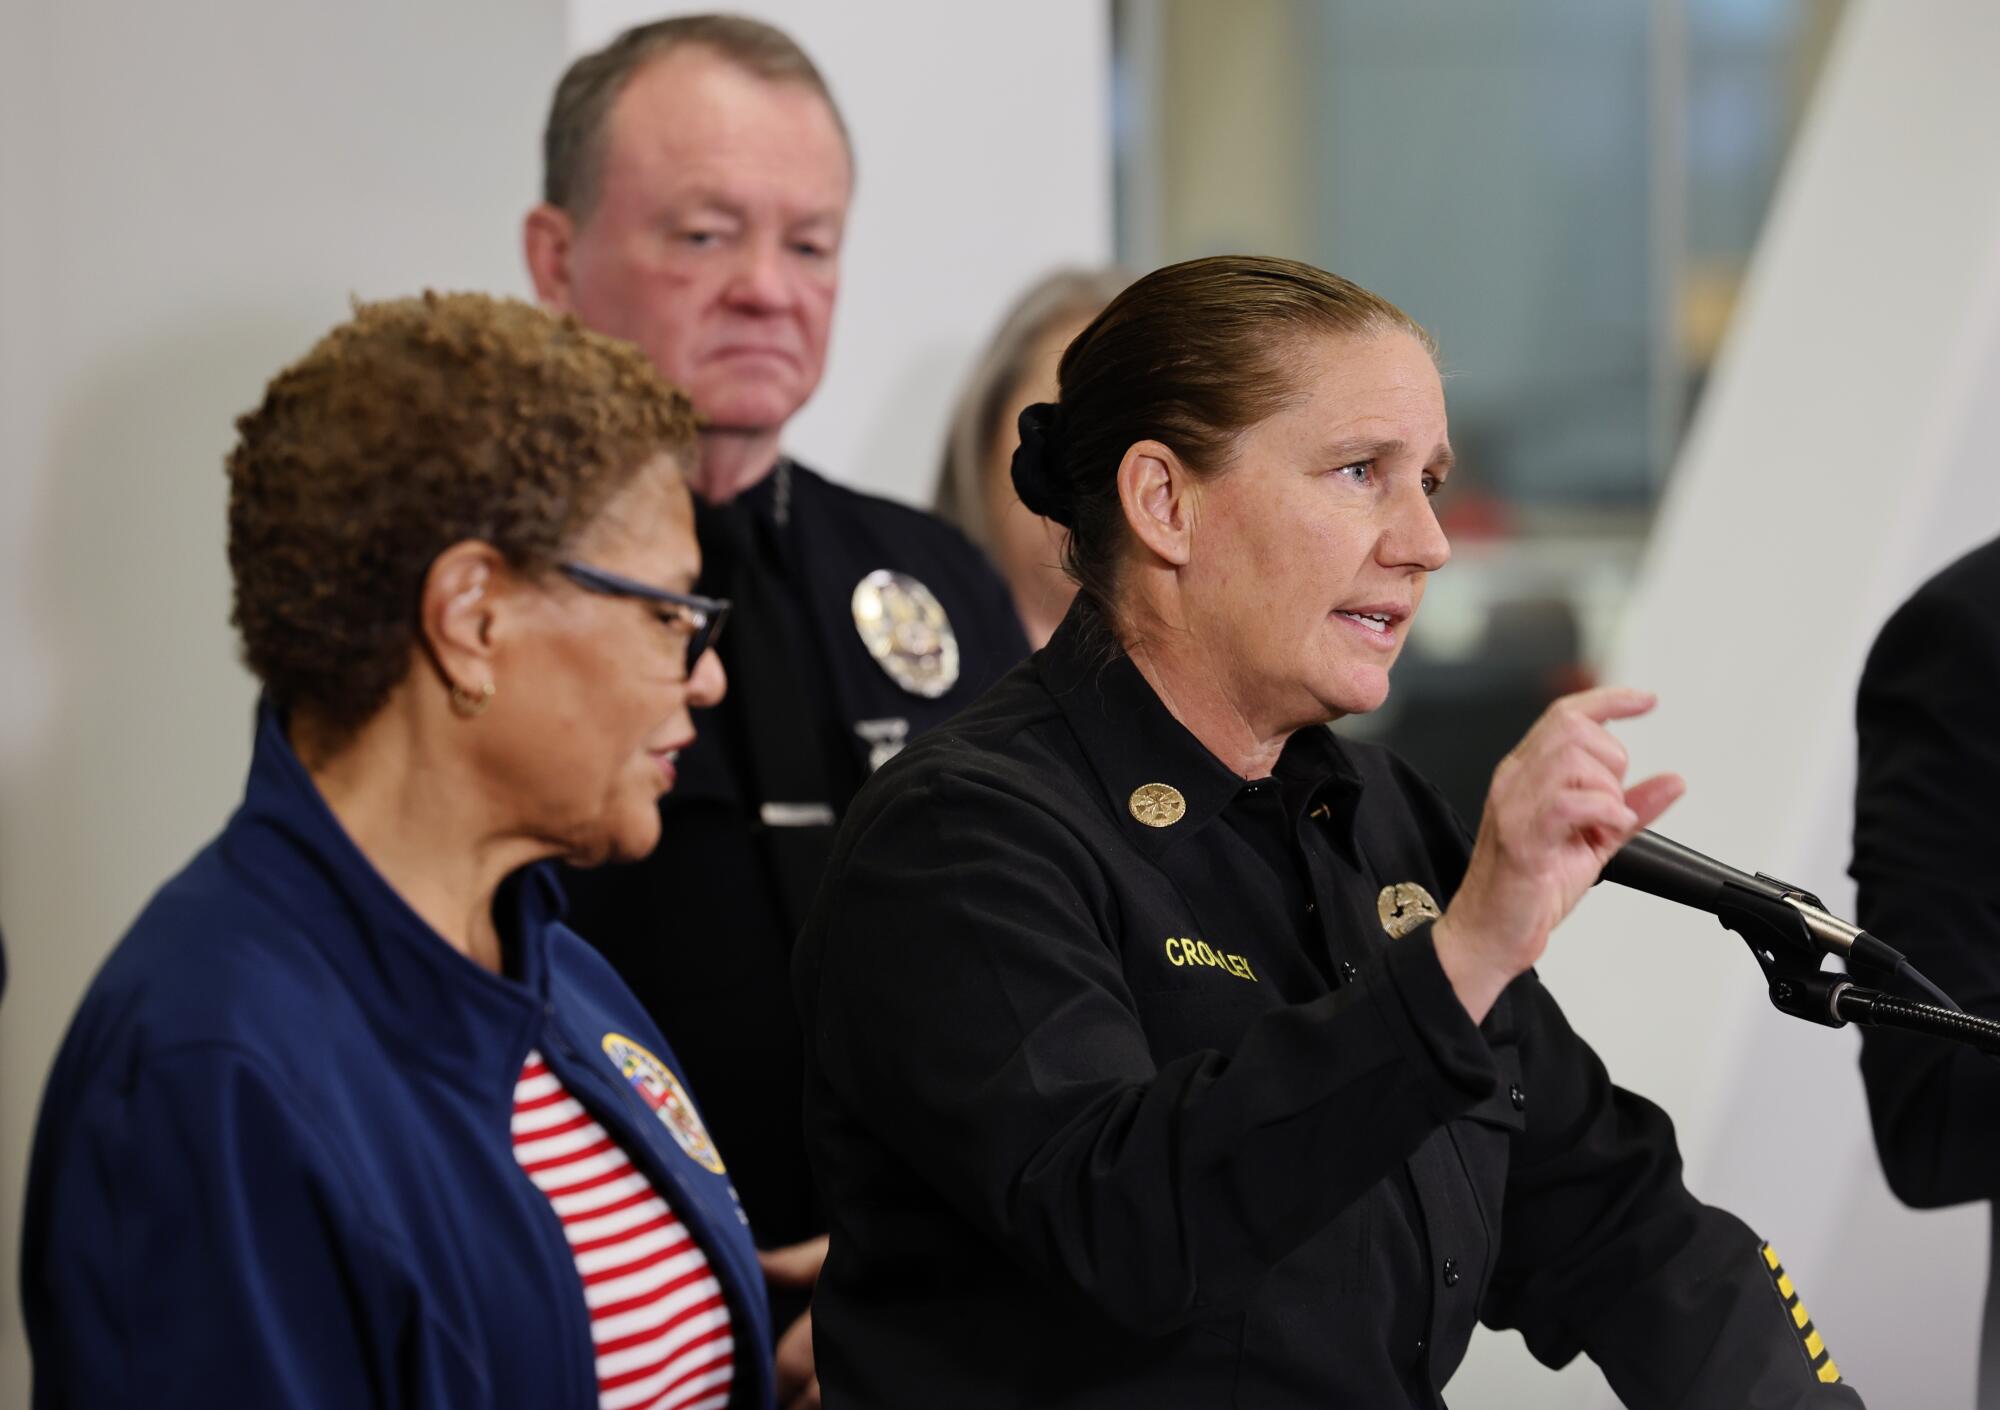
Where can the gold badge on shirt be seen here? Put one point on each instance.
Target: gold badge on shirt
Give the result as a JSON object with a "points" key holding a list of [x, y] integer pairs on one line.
{"points": [[1403, 907], [661, 1091], [1157, 804], [904, 627]]}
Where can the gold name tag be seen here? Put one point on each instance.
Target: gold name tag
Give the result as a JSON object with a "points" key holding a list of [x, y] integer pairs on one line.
{"points": [[1183, 951]]}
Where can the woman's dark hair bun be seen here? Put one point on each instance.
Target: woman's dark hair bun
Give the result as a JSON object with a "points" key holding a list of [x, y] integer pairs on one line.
{"points": [[1190, 356], [1038, 467]]}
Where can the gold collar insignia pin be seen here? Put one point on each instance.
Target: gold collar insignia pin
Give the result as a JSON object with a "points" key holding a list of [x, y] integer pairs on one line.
{"points": [[1157, 804], [1403, 907]]}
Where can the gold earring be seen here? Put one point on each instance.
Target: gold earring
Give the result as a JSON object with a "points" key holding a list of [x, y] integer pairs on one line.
{"points": [[469, 704]]}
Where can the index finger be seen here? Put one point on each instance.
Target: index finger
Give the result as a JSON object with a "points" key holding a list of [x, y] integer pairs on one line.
{"points": [[1611, 702]]}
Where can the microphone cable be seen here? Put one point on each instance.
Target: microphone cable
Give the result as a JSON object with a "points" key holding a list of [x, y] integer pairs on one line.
{"points": [[1916, 976]]}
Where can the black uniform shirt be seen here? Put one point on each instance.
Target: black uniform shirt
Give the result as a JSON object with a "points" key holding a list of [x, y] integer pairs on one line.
{"points": [[1109, 1114], [1281, 834], [702, 930]]}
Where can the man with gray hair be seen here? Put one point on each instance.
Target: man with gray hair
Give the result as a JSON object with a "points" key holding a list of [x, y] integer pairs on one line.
{"points": [[696, 191]]}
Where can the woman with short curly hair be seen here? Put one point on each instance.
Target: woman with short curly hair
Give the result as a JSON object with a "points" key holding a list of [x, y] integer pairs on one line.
{"points": [[349, 1117]]}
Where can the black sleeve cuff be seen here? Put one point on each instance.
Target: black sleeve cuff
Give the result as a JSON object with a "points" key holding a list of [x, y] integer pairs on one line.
{"points": [[1436, 1035]]}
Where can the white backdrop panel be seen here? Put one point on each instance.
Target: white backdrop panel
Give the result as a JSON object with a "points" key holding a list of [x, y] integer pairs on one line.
{"points": [[192, 193], [1843, 453]]}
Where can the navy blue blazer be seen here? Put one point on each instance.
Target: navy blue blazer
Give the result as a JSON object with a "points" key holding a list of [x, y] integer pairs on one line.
{"points": [[273, 1165]]}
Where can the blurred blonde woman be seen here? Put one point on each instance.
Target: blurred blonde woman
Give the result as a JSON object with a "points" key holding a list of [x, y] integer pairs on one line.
{"points": [[974, 490]]}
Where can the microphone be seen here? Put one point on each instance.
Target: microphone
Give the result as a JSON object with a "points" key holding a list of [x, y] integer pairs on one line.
{"points": [[1662, 867]]}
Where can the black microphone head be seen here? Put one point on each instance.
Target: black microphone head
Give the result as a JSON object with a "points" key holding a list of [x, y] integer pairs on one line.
{"points": [[1662, 867]]}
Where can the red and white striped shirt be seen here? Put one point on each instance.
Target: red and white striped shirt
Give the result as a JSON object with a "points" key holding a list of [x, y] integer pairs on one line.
{"points": [[658, 1318]]}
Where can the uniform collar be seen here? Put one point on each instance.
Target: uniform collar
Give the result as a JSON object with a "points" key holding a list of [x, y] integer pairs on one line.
{"points": [[1132, 740], [421, 995], [770, 499], [753, 530]]}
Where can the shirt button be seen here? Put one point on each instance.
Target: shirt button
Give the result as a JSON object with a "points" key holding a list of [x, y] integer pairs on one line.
{"points": [[1451, 1272], [1348, 972], [1518, 1097], [1311, 906], [1422, 1346]]}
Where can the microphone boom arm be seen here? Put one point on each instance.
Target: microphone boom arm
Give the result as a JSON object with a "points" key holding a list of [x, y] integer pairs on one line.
{"points": [[1788, 946], [1784, 947]]}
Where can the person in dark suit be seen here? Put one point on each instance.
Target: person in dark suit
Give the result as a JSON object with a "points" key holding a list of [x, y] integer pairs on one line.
{"points": [[1927, 868], [696, 190]]}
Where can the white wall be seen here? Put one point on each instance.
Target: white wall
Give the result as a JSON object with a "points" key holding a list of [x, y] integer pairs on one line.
{"points": [[1845, 451], [191, 193], [983, 138]]}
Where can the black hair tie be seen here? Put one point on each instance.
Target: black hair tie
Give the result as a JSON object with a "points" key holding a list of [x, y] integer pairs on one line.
{"points": [[1038, 476]]}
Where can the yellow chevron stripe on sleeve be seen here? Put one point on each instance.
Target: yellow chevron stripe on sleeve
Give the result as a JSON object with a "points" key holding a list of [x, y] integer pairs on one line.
{"points": [[1815, 1347]]}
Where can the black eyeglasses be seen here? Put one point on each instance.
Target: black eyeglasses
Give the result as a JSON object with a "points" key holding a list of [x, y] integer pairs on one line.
{"points": [[702, 617]]}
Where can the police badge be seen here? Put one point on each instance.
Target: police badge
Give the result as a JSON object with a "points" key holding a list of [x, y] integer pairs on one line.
{"points": [[1403, 907], [904, 627]]}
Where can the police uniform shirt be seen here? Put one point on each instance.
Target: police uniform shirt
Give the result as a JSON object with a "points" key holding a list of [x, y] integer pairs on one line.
{"points": [[702, 930], [1128, 1097]]}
